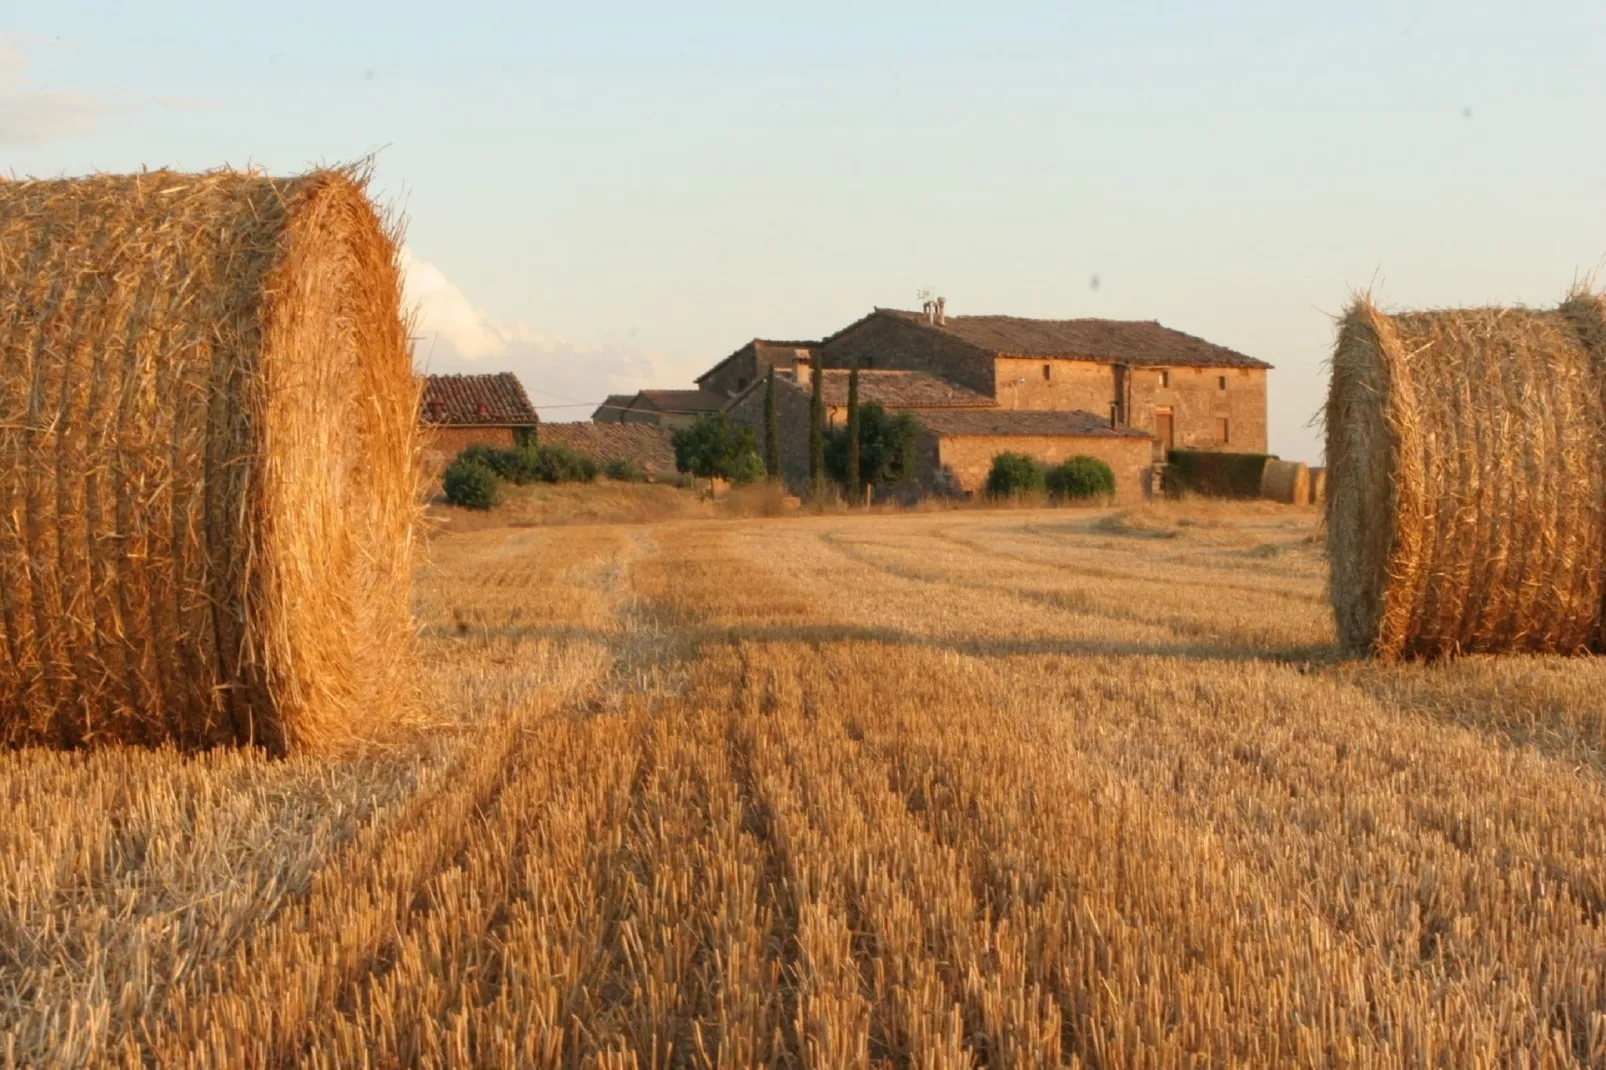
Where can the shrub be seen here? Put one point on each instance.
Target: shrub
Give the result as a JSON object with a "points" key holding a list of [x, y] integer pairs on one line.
{"points": [[747, 468], [1013, 475], [887, 447], [554, 464], [1079, 479], [471, 484], [625, 470], [1214, 475]]}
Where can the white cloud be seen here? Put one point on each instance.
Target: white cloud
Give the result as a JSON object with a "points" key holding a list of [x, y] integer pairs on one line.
{"points": [[564, 377], [35, 116]]}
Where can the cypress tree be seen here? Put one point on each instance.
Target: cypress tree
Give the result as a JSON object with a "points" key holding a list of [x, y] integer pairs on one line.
{"points": [[855, 489], [817, 434], [772, 429]]}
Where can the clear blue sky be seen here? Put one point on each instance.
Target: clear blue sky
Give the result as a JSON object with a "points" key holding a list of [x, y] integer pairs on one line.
{"points": [[619, 197]]}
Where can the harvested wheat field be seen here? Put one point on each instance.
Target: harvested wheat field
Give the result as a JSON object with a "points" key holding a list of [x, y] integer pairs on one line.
{"points": [[1016, 788]]}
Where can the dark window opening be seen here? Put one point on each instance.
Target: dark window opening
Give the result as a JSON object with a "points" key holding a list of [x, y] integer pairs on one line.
{"points": [[1048, 370], [1221, 382], [1221, 430], [1165, 379]]}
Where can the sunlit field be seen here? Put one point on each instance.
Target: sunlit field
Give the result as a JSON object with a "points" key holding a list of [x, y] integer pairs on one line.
{"points": [[1025, 788]]}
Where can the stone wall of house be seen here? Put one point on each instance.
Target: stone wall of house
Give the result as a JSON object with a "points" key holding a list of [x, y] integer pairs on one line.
{"points": [[792, 420], [732, 377], [442, 444], [893, 343], [970, 457], [1055, 385], [1211, 408]]}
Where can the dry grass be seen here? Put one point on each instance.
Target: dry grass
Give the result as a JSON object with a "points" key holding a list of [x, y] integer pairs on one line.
{"points": [[945, 790], [207, 462]]}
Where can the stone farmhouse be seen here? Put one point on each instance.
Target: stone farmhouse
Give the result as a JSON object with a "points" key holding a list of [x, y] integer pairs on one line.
{"points": [[668, 409], [1123, 391], [459, 410]]}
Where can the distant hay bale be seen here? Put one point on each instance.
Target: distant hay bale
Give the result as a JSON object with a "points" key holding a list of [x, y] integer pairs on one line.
{"points": [[207, 462], [1285, 481], [1318, 486], [1466, 496]]}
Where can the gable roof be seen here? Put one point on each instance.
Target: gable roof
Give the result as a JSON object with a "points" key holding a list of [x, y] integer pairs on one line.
{"points": [[899, 389], [612, 406], [495, 400], [1073, 423], [647, 444], [1137, 342], [681, 401], [786, 351]]}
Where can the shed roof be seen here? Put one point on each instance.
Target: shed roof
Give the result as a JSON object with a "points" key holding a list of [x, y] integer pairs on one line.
{"points": [[1139, 342], [495, 400], [612, 406], [1072, 423]]}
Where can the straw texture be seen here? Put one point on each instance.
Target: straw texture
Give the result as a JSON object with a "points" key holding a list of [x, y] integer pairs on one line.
{"points": [[1318, 486], [1285, 481], [1466, 493], [207, 461]]}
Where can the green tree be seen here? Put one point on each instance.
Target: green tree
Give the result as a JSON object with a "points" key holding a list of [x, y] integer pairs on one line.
{"points": [[855, 487], [772, 428], [888, 443], [713, 447], [817, 433]]}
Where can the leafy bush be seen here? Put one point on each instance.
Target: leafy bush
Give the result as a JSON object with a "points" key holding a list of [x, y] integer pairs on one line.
{"points": [[554, 464], [1080, 479], [1014, 474], [747, 468], [713, 447], [887, 447], [1214, 475], [471, 484], [625, 470]]}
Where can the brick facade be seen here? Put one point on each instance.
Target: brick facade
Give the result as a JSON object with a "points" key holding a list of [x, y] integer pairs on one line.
{"points": [[970, 457], [441, 445]]}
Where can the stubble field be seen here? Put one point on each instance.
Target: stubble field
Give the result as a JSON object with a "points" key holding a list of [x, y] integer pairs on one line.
{"points": [[1023, 789]]}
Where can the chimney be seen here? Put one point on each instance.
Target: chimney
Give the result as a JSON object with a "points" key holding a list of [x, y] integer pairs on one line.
{"points": [[942, 316], [484, 409]]}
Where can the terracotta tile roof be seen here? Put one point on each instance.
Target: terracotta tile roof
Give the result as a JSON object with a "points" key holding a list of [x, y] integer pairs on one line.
{"points": [[613, 406], [647, 444], [476, 400], [680, 400], [1073, 423], [1140, 342], [897, 390]]}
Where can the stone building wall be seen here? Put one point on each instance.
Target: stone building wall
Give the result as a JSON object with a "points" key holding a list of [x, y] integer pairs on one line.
{"points": [[892, 343], [970, 457], [792, 419], [441, 445], [1200, 399], [1054, 384]]}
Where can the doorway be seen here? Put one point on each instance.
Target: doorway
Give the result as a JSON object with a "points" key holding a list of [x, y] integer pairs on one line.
{"points": [[1163, 441]]}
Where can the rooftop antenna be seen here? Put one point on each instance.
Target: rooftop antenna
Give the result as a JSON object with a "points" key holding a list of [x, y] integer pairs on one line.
{"points": [[928, 307]]}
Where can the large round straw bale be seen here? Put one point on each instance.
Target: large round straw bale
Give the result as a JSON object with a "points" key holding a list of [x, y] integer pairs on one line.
{"points": [[1318, 486], [1285, 481], [1466, 494], [207, 458]]}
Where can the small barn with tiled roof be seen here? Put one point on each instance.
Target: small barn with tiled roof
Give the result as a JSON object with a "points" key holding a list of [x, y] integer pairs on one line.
{"points": [[456, 411], [751, 363]]}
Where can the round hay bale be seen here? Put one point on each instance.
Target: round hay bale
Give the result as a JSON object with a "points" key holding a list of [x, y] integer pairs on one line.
{"points": [[1467, 459], [1285, 481], [1318, 486], [207, 462]]}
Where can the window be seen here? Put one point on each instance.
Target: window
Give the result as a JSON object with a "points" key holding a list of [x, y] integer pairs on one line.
{"points": [[1165, 378], [1048, 371], [1221, 382], [1221, 430]]}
